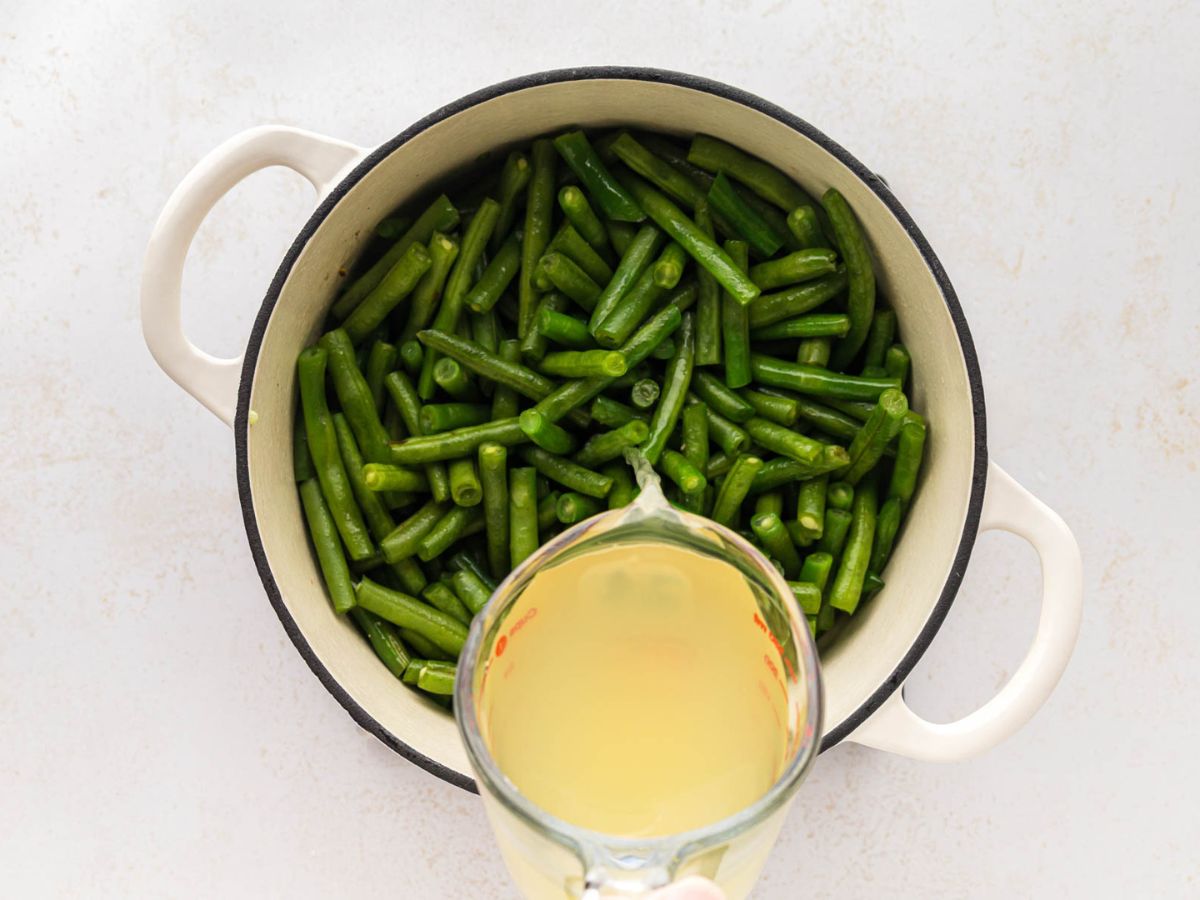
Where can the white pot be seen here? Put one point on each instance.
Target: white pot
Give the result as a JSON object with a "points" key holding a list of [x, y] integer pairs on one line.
{"points": [[356, 187]]}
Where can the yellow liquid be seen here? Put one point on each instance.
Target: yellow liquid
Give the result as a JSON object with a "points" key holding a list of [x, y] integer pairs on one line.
{"points": [[634, 691]]}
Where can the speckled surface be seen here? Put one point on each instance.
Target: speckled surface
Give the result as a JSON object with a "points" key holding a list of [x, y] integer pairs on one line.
{"points": [[162, 736]]}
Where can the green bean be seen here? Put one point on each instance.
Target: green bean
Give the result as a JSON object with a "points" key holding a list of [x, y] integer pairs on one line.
{"points": [[493, 472], [798, 299], [563, 329], [671, 219], [718, 464], [384, 477], [546, 434], [607, 193], [819, 325], [455, 524], [585, 363], [514, 179], [860, 304], [695, 435], [658, 172], [569, 474], [505, 404], [322, 445], [827, 419], [457, 443], [815, 571], [735, 328], [876, 433], [897, 363], [817, 382], [784, 470], [424, 649], [909, 449], [404, 398], [634, 260], [610, 445], [886, 525], [837, 526], [783, 440], [538, 210], [847, 584], [462, 275], [571, 244], [734, 489], [393, 227], [683, 472], [523, 524], [839, 495], [452, 378], [302, 464], [446, 632], [879, 338], [565, 275], [402, 542], [426, 296], [575, 393], [440, 596], [746, 221], [620, 234], [796, 267], [324, 533], [708, 302], [714, 155], [623, 490], [720, 398], [769, 502], [774, 539], [644, 393], [668, 268], [471, 590], [872, 585], [859, 410], [772, 406], [395, 286], [412, 354], [729, 436], [438, 417], [547, 515], [440, 216], [632, 311], [354, 393], [573, 507], [805, 226], [810, 507], [808, 597], [496, 278], [579, 213], [676, 382], [437, 681], [383, 639], [380, 361], [814, 352], [465, 489]]}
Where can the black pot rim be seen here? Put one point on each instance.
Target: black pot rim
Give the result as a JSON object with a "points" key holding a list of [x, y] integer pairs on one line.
{"points": [[872, 181]]}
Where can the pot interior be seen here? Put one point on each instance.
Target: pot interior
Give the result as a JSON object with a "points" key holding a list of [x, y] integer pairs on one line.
{"points": [[865, 656]]}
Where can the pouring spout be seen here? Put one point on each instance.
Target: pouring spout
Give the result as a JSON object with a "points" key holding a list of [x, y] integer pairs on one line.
{"points": [[650, 498]]}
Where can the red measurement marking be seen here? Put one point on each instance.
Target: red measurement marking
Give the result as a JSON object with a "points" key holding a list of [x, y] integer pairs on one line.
{"points": [[762, 626], [501, 645], [521, 622]]}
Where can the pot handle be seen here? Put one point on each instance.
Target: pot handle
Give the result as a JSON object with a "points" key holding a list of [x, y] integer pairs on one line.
{"points": [[322, 160], [1007, 506]]}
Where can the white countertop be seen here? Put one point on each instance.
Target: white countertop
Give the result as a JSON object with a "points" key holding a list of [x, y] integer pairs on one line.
{"points": [[163, 738]]}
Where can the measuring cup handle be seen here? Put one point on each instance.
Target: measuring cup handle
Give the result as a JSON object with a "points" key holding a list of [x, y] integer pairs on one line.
{"points": [[1008, 507]]}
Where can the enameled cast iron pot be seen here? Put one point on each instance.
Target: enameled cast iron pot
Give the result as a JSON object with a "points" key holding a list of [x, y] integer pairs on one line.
{"points": [[960, 494]]}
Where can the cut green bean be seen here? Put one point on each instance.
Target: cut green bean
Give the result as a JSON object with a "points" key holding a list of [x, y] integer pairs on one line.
{"points": [[523, 512], [302, 464], [676, 382], [397, 284], [500, 271], [322, 445], [440, 596], [620, 234], [613, 413], [412, 354], [585, 363], [784, 470], [569, 474], [634, 260], [384, 640], [708, 302], [829, 420], [683, 472], [453, 379], [818, 325], [668, 268], [769, 502], [608, 194], [644, 394], [471, 590], [714, 155], [817, 382], [539, 206], [455, 524], [440, 216], [547, 515], [404, 397], [623, 490], [810, 507], [671, 219], [879, 338], [773, 537], [846, 591], [567, 277], [493, 474], [402, 542], [749, 225], [385, 477], [546, 434], [444, 631], [860, 303], [774, 407], [814, 352], [805, 226], [657, 171], [721, 398], [610, 445], [876, 433], [695, 435], [355, 396], [839, 495], [426, 296], [505, 403], [465, 489], [324, 534], [380, 361], [457, 443], [718, 464], [808, 596], [909, 449], [563, 329], [583, 219], [514, 180], [837, 526], [438, 417], [734, 489], [796, 300], [393, 227], [784, 441], [570, 243], [887, 524], [897, 363], [573, 507], [437, 681], [817, 568], [729, 436], [735, 326], [797, 267]]}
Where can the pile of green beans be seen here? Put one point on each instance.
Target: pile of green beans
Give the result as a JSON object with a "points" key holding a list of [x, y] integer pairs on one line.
{"points": [[484, 369]]}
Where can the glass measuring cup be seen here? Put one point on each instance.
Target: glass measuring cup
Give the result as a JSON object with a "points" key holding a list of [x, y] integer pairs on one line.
{"points": [[552, 858]]}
